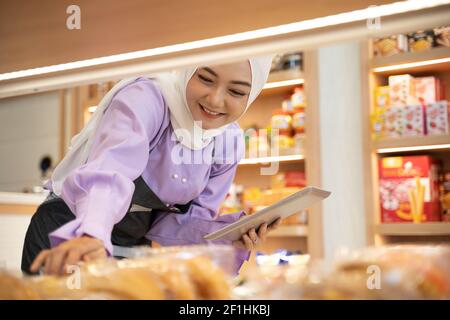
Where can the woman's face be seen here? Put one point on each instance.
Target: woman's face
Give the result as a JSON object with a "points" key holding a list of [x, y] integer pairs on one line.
{"points": [[218, 95]]}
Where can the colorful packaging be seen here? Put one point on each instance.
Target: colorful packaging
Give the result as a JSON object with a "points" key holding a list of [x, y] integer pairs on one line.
{"points": [[426, 89], [393, 122], [298, 121], [409, 189], [298, 98], [413, 120], [390, 45], [377, 118], [442, 36], [445, 197], [401, 90], [421, 40], [437, 115]]}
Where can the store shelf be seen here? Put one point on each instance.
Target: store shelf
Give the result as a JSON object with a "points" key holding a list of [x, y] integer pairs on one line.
{"points": [[407, 144], [289, 231], [414, 229], [434, 60], [263, 160], [280, 81]]}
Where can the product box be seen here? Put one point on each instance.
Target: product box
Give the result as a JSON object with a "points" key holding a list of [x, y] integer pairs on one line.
{"points": [[426, 89], [393, 122], [442, 36], [390, 45], [438, 118], [421, 40], [377, 118], [401, 90], [445, 197], [409, 189], [413, 120]]}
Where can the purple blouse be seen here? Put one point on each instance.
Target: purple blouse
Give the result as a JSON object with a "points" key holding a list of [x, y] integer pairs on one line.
{"points": [[135, 138]]}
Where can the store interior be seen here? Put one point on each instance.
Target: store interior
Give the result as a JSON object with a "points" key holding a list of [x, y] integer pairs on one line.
{"points": [[363, 114]]}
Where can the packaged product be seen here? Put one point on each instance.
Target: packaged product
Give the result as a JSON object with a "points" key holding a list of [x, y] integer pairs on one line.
{"points": [[426, 89], [413, 120], [442, 36], [393, 122], [388, 46], [401, 90], [409, 189], [445, 197], [437, 116], [421, 40]]}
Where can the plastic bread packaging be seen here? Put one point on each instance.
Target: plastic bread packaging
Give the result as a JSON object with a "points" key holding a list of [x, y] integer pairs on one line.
{"points": [[184, 272], [386, 272]]}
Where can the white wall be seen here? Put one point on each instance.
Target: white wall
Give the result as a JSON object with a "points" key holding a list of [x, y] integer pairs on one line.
{"points": [[12, 234], [29, 129]]}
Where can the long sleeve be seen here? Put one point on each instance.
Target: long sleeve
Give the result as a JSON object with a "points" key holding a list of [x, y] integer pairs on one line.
{"points": [[201, 218], [100, 191]]}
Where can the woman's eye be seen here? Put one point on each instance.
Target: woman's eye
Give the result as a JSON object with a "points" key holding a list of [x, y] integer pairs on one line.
{"points": [[205, 79], [237, 93]]}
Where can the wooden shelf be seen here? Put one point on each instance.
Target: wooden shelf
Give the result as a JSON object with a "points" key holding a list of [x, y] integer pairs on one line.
{"points": [[414, 229], [408, 144], [436, 60], [263, 160], [290, 231], [282, 80]]}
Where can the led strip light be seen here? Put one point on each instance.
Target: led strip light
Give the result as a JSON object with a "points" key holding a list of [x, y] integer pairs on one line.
{"points": [[332, 20]]}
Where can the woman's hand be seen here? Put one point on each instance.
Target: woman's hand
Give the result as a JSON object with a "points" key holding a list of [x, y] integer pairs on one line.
{"points": [[252, 238], [56, 260]]}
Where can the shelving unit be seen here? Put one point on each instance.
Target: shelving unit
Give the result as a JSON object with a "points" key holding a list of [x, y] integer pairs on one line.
{"points": [[279, 86], [434, 62]]}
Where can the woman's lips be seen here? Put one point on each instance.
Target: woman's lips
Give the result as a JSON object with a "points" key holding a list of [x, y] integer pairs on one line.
{"points": [[208, 114]]}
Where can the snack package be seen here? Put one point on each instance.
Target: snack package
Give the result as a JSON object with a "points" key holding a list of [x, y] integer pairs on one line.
{"points": [[442, 36], [426, 89], [421, 40], [438, 118], [409, 189], [413, 120], [377, 118], [393, 122], [445, 197], [401, 90], [390, 45]]}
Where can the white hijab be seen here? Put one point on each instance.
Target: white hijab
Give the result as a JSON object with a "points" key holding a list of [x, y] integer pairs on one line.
{"points": [[173, 87]]}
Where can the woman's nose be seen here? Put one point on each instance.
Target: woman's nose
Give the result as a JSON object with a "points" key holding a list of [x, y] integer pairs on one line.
{"points": [[216, 99]]}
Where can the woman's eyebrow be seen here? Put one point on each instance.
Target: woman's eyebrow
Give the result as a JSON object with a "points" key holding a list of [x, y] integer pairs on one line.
{"points": [[244, 83]]}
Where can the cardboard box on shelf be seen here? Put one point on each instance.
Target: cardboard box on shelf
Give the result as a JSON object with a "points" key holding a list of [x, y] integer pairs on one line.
{"points": [[391, 45], [438, 118], [393, 122], [426, 89], [409, 189], [413, 120], [401, 90]]}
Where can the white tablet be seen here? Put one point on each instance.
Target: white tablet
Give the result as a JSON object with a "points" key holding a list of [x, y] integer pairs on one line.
{"points": [[284, 208]]}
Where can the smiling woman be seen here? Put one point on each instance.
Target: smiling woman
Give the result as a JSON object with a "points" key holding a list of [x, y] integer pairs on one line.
{"points": [[215, 97], [122, 160]]}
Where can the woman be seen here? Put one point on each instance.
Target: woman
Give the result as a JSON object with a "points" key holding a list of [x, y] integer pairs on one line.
{"points": [[153, 164]]}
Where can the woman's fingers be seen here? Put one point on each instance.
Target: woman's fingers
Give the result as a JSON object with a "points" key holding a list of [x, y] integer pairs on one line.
{"points": [[96, 254], [253, 236], [39, 260], [57, 261], [73, 257], [262, 231], [275, 224], [248, 242]]}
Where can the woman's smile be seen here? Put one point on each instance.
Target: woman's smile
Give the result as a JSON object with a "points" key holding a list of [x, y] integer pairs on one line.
{"points": [[210, 114]]}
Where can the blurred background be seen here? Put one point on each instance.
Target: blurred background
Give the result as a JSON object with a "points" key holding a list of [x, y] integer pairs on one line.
{"points": [[358, 96]]}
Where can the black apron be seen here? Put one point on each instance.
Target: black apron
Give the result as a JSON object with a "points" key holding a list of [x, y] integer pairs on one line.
{"points": [[128, 232]]}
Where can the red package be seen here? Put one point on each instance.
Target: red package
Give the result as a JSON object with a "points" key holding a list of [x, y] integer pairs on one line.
{"points": [[295, 179], [409, 189]]}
